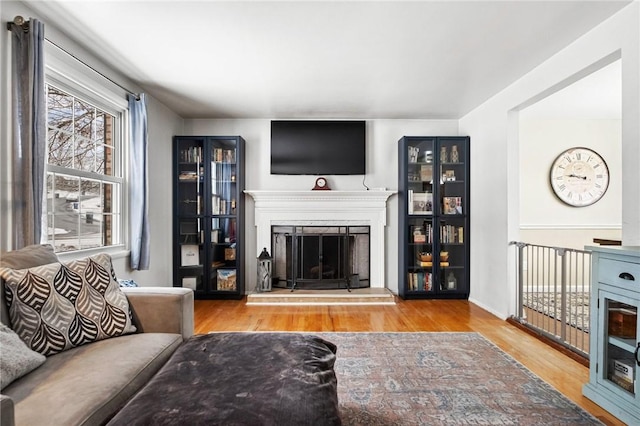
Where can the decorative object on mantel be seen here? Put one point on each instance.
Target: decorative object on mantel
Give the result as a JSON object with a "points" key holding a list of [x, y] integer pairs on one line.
{"points": [[264, 271], [321, 184]]}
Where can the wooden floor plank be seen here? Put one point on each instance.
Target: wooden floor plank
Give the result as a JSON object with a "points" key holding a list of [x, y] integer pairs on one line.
{"points": [[565, 374]]}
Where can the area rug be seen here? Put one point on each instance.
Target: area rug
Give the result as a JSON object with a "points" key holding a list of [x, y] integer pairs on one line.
{"points": [[442, 379], [550, 304]]}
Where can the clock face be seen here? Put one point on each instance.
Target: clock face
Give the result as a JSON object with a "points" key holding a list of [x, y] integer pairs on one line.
{"points": [[579, 177], [321, 183]]}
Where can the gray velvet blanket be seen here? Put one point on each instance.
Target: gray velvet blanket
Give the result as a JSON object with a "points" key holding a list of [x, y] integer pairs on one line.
{"points": [[241, 379]]}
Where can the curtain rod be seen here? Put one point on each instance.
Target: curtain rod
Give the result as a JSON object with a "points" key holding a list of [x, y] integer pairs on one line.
{"points": [[19, 21]]}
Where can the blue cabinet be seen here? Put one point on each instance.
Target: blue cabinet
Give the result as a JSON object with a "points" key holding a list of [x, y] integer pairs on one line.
{"points": [[615, 334]]}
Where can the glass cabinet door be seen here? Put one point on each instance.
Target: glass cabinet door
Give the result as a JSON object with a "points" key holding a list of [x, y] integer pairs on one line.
{"points": [[621, 343], [452, 254], [190, 178], [223, 254], [420, 177], [223, 179], [420, 255], [189, 200], [190, 234], [452, 175], [224, 196]]}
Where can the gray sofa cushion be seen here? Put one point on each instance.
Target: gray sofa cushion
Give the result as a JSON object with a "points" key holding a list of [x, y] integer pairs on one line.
{"points": [[88, 384], [28, 257], [17, 359]]}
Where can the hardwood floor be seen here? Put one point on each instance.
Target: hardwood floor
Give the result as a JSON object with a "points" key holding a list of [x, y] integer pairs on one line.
{"points": [[565, 374]]}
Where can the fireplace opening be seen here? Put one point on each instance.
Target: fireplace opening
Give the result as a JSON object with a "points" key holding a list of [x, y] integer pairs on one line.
{"points": [[320, 257]]}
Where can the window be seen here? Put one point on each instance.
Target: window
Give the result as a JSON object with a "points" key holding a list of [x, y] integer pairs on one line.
{"points": [[84, 173]]}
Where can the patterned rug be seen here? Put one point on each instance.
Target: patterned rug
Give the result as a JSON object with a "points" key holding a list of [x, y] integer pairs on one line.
{"points": [[550, 304], [441, 379]]}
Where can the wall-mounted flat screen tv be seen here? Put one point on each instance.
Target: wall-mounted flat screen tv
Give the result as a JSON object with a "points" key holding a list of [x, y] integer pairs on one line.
{"points": [[318, 147]]}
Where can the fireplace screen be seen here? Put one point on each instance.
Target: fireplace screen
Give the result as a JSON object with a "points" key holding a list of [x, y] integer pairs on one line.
{"points": [[320, 257]]}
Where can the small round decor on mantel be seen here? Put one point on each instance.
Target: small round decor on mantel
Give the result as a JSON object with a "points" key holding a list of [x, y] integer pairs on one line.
{"points": [[321, 184]]}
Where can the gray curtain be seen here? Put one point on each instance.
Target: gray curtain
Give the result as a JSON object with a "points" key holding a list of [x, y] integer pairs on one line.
{"points": [[138, 186], [29, 132]]}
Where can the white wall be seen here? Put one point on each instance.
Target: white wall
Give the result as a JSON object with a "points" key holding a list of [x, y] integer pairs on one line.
{"points": [[495, 170], [543, 218], [382, 172], [163, 124]]}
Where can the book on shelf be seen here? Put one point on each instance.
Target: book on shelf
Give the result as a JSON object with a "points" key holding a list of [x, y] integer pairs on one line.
{"points": [[420, 281], [221, 155], [452, 205], [219, 205], [422, 202], [190, 255], [451, 234], [188, 176], [191, 155]]}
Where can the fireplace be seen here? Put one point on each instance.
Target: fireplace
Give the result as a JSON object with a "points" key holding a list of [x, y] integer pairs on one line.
{"points": [[353, 209], [320, 257]]}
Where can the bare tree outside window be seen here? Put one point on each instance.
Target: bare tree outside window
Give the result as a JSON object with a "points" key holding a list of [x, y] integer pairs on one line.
{"points": [[83, 190]]}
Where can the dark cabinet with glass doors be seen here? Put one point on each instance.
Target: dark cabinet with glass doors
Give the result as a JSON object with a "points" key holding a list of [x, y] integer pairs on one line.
{"points": [[208, 199], [433, 191]]}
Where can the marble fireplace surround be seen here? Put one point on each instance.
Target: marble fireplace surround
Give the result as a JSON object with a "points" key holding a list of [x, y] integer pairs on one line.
{"points": [[326, 208]]}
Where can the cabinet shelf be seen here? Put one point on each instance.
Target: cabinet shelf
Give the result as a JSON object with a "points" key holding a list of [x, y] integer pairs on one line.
{"points": [[624, 344]]}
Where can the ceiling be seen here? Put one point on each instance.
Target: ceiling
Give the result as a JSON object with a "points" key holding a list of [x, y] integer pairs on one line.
{"points": [[330, 59]]}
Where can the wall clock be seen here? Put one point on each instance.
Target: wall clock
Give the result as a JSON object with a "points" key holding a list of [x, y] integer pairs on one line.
{"points": [[321, 183], [579, 177]]}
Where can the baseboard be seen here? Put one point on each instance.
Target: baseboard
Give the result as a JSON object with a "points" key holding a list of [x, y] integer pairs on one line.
{"points": [[488, 309], [555, 345]]}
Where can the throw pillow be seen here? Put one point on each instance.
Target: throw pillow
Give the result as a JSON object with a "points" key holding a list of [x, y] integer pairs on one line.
{"points": [[17, 359], [28, 257], [58, 306]]}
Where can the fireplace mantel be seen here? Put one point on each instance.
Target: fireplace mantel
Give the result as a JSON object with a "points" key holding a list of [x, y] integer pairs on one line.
{"points": [[366, 208]]}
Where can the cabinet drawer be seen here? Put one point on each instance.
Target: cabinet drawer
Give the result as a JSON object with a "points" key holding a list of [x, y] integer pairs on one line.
{"points": [[613, 272]]}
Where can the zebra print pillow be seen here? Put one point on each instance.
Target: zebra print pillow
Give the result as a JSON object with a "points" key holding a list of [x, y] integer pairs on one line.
{"points": [[58, 306]]}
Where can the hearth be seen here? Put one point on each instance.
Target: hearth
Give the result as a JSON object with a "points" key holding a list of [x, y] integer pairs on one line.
{"points": [[320, 257]]}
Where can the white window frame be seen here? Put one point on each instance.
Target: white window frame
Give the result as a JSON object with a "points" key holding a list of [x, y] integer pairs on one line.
{"points": [[75, 78]]}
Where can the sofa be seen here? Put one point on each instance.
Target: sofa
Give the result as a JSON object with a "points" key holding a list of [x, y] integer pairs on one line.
{"points": [[92, 352], [87, 382]]}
